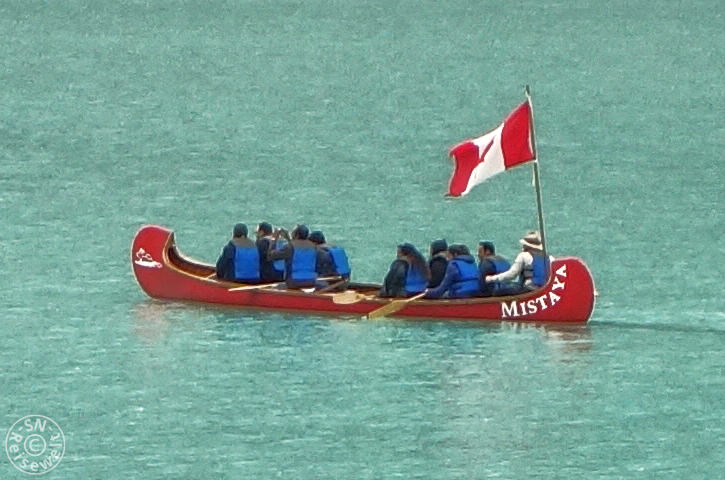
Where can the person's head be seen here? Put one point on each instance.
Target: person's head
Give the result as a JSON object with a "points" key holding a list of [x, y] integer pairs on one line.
{"points": [[438, 246], [240, 230], [406, 250], [411, 254], [317, 237], [263, 229], [486, 249], [301, 232], [531, 242], [458, 249]]}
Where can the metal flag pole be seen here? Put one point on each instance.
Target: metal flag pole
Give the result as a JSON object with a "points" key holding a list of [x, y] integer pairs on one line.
{"points": [[537, 182]]}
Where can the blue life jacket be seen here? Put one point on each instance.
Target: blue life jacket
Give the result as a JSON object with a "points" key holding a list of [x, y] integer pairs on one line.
{"points": [[500, 263], [302, 266], [246, 264], [467, 284], [279, 265], [339, 260], [540, 270], [415, 281]]}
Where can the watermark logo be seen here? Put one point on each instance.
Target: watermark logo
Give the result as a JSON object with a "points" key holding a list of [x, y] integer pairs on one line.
{"points": [[35, 444], [146, 260]]}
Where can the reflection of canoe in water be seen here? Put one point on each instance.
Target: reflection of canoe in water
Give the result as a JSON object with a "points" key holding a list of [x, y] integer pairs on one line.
{"points": [[165, 273]]}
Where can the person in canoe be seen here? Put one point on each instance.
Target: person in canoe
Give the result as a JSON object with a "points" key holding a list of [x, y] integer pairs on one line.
{"points": [[269, 270], [461, 278], [299, 255], [491, 264], [530, 267], [438, 262], [331, 260], [408, 275], [239, 260]]}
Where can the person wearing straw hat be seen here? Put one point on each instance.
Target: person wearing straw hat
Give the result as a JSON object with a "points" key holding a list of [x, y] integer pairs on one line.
{"points": [[530, 267]]}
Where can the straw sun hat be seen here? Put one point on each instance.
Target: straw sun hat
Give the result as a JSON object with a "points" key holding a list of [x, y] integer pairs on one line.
{"points": [[532, 239]]}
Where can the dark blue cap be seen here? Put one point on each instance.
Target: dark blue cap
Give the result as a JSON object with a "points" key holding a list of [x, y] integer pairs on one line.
{"points": [[302, 232], [265, 228], [240, 230], [459, 249], [317, 237], [488, 245], [438, 246]]}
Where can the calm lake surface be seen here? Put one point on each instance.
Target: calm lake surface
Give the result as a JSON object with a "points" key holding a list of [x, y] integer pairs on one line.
{"points": [[340, 114]]}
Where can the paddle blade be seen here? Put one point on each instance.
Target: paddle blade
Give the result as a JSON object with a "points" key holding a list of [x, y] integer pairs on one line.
{"points": [[392, 307], [346, 297]]}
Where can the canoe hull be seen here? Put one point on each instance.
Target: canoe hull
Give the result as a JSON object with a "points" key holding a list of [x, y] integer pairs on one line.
{"points": [[164, 273]]}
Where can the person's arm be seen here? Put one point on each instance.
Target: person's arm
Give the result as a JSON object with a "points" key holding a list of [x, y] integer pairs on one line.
{"points": [[281, 253], [510, 274], [487, 268], [450, 276], [225, 261], [284, 252], [437, 271]]}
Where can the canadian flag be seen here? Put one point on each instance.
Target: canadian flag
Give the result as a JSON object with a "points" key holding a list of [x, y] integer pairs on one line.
{"points": [[505, 147]]}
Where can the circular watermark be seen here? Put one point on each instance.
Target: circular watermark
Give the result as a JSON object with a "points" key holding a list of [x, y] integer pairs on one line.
{"points": [[35, 444]]}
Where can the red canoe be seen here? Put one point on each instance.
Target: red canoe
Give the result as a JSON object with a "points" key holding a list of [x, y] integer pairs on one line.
{"points": [[165, 273]]}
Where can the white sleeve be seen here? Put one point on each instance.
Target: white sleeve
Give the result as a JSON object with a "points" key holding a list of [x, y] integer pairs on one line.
{"points": [[512, 272]]}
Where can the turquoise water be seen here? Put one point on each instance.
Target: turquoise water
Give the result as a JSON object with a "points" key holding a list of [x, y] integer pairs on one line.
{"points": [[339, 114]]}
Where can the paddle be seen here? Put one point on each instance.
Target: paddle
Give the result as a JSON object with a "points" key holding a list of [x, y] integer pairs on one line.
{"points": [[269, 285], [393, 306], [332, 286], [255, 287], [349, 296]]}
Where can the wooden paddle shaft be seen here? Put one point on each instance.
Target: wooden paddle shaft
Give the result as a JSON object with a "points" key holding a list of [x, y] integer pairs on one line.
{"points": [[394, 306]]}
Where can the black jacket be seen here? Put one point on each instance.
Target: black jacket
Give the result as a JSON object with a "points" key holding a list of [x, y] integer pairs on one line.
{"points": [[267, 272], [325, 266], [437, 266], [225, 263], [394, 283]]}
